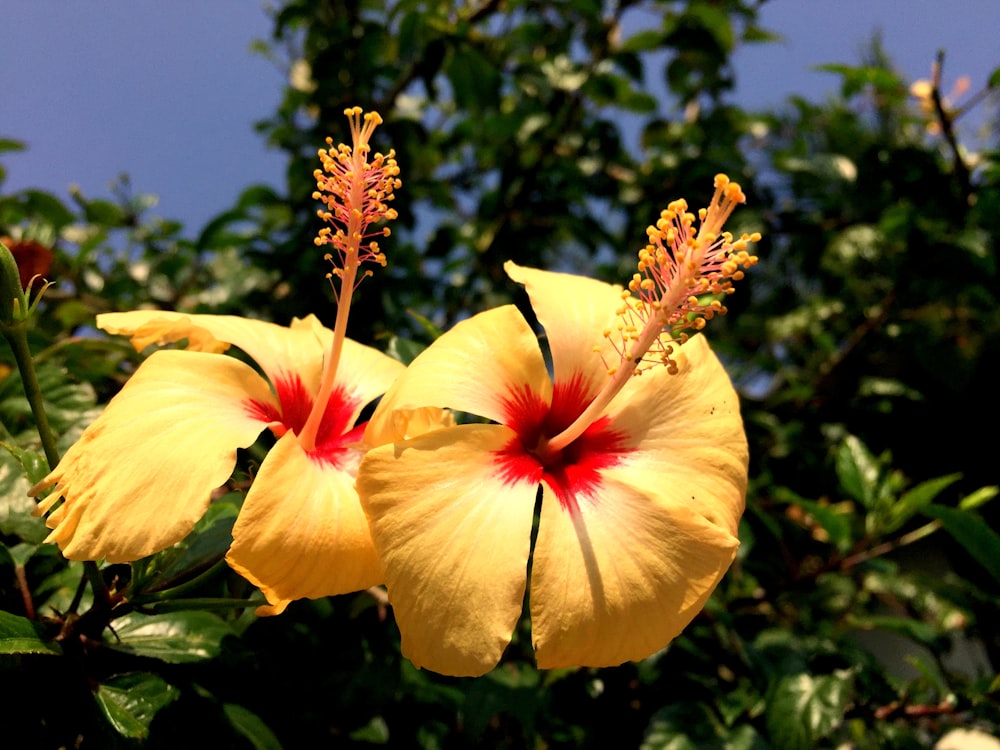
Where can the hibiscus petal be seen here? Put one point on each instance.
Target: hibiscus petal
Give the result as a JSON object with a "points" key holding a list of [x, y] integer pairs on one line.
{"points": [[691, 445], [481, 366], [278, 350], [281, 352], [620, 577], [647, 544], [142, 473], [301, 532], [454, 537], [574, 311]]}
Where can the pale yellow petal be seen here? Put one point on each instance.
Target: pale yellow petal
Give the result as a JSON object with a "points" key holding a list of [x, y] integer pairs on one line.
{"points": [[453, 534], [653, 530], [619, 578], [282, 353], [574, 311], [278, 350], [301, 532], [141, 475], [488, 365], [691, 445]]}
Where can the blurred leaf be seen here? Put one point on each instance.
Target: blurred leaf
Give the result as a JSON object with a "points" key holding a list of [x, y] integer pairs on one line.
{"points": [[980, 497], [508, 690], [403, 350], [689, 726], [16, 507], [916, 630], [250, 726], [176, 638], [972, 532], [9, 144], [994, 79], [858, 471], [643, 41], [916, 499], [19, 635], [854, 80], [131, 701], [375, 732], [803, 709]]}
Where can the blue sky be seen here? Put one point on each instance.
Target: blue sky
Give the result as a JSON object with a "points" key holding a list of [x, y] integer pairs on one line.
{"points": [[168, 91]]}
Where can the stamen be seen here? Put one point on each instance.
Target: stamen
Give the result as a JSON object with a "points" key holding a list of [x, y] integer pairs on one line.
{"points": [[684, 274], [356, 193]]}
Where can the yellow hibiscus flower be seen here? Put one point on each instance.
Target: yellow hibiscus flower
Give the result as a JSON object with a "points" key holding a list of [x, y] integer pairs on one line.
{"points": [[143, 472], [640, 480]]}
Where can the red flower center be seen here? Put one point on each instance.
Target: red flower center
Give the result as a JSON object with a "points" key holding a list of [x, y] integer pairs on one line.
{"points": [[573, 472], [335, 434]]}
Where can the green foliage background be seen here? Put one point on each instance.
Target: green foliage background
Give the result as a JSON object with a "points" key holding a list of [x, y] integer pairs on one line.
{"points": [[863, 604]]}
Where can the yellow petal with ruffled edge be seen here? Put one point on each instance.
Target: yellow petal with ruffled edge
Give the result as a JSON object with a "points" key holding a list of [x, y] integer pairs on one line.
{"points": [[620, 578], [301, 532], [689, 429], [481, 366], [454, 536], [278, 350], [142, 473], [574, 311]]}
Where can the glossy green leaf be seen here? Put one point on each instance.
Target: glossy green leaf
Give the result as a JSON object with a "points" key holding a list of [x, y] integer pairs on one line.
{"points": [[19, 635], [803, 709], [176, 637], [131, 701]]}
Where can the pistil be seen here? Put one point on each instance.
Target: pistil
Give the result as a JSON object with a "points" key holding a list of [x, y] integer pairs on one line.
{"points": [[356, 193], [681, 277]]}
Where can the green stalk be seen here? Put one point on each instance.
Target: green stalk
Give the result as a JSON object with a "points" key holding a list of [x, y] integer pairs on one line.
{"points": [[17, 337]]}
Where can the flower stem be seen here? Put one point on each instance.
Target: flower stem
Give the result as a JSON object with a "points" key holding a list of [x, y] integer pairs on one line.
{"points": [[17, 337]]}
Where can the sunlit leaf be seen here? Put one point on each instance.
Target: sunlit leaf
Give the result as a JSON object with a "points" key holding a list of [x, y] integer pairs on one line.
{"points": [[176, 638], [19, 635], [858, 471], [803, 709]]}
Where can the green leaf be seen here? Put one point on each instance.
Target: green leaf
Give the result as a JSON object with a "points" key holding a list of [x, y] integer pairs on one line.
{"points": [[994, 79], [971, 531], [9, 144], [250, 726], [176, 637], [916, 499], [403, 350], [834, 522], [643, 41], [375, 732], [131, 701], [205, 545], [858, 471], [980, 497], [803, 709], [907, 627], [474, 81], [19, 635], [16, 506]]}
